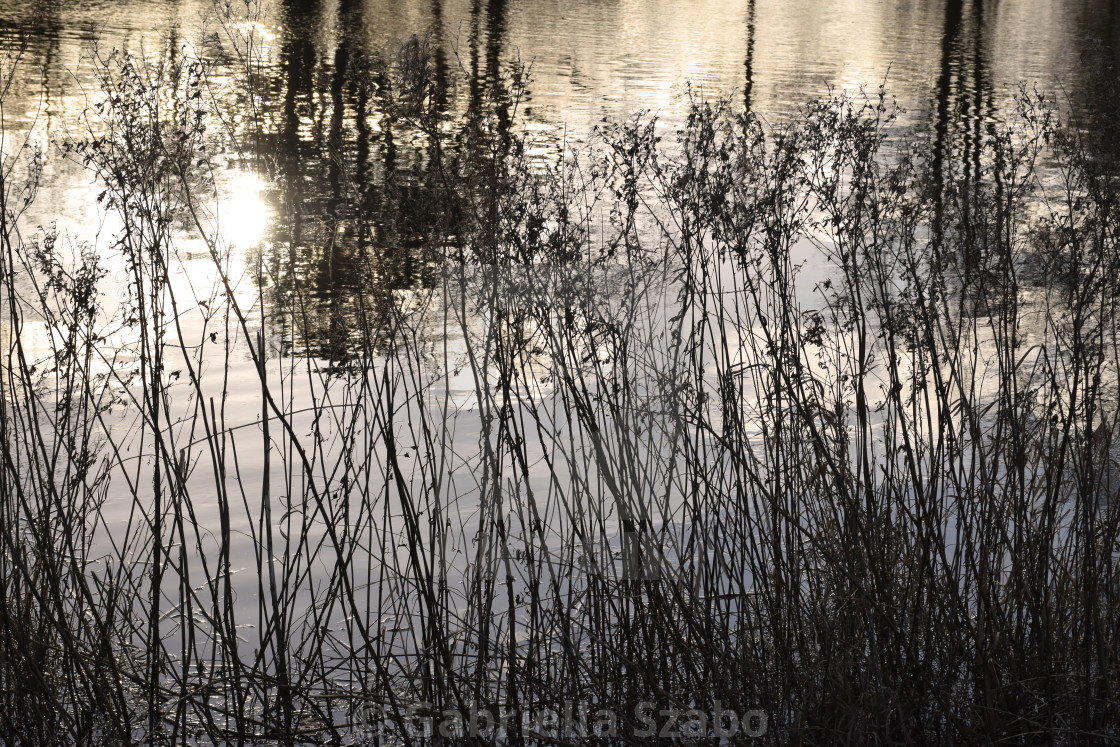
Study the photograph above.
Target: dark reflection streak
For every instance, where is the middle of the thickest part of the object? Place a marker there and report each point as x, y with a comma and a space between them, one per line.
171, 48
353, 21
363, 173
475, 103
47, 26
990, 112
748, 85
1097, 96
297, 59
979, 89
334, 132
334, 268
388, 152
298, 63
969, 122
439, 55
495, 31
953, 12
52, 53
332, 264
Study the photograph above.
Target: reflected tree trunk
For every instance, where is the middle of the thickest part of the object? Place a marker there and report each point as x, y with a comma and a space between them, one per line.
748, 82
942, 148
495, 32
297, 58
962, 122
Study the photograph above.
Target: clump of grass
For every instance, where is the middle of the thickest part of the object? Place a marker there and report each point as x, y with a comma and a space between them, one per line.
794, 419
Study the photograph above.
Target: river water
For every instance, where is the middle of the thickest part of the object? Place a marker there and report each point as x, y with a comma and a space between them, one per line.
954, 64
956, 67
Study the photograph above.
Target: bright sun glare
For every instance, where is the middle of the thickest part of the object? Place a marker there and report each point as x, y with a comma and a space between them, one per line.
242, 213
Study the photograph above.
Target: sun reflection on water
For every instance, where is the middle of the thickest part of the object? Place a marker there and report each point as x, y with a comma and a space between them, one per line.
243, 214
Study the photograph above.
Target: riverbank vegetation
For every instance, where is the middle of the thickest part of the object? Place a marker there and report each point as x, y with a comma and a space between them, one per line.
812, 418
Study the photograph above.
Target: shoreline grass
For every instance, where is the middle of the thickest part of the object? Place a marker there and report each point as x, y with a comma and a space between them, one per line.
805, 420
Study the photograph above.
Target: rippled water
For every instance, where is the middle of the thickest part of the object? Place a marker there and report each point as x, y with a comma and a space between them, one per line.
953, 62
955, 65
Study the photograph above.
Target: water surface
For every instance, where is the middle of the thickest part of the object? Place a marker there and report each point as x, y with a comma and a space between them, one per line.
954, 64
